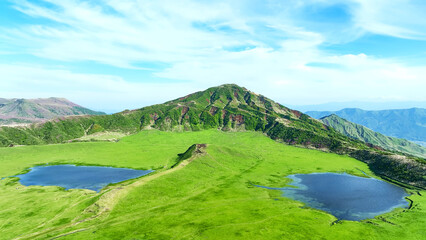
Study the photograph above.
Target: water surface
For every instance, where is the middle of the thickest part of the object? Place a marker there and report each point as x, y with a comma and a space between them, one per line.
345, 196
82, 177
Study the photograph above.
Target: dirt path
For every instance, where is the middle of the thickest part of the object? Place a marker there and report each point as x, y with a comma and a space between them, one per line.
106, 202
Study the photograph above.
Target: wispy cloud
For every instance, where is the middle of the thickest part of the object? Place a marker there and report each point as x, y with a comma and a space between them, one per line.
209, 43
123, 32
398, 18
104, 92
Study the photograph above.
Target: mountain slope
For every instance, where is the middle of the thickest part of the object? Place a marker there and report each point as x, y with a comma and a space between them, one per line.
409, 124
364, 134
37, 110
227, 108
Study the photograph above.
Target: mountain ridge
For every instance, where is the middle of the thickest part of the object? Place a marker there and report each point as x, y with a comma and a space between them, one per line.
409, 123
367, 135
228, 108
20, 110
365, 105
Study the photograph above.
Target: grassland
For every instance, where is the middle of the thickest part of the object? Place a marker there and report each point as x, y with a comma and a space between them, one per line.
212, 197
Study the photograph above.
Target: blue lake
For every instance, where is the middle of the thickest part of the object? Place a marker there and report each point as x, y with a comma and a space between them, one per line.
82, 177
345, 196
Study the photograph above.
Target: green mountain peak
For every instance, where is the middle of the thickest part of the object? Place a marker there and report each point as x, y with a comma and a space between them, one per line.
227, 108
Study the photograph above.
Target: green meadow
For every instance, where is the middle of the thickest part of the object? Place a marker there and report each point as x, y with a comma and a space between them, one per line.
210, 196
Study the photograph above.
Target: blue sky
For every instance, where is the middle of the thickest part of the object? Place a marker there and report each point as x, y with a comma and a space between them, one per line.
120, 54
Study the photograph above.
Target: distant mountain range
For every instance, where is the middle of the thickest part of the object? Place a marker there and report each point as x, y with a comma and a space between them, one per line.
367, 135
21, 111
409, 124
373, 106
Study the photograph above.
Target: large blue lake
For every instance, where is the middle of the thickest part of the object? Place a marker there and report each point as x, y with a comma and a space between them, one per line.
82, 177
345, 196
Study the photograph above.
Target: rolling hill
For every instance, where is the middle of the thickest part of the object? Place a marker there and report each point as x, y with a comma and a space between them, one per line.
227, 108
15, 111
367, 135
409, 124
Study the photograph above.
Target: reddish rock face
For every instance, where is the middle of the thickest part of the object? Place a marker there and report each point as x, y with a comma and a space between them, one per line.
235, 94
296, 113
154, 116
213, 110
239, 119
187, 96
375, 147
184, 110
223, 114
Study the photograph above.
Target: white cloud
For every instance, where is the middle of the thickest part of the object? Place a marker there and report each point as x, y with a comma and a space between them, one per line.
192, 37
284, 76
139, 31
397, 18
102, 92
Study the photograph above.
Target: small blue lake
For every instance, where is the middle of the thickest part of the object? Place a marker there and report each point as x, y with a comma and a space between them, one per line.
345, 196
81, 177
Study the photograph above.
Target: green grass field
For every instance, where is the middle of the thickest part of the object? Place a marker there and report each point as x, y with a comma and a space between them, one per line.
212, 197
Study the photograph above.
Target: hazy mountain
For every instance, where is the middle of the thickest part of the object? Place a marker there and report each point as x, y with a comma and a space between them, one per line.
227, 108
409, 124
367, 135
335, 106
13, 111
3, 100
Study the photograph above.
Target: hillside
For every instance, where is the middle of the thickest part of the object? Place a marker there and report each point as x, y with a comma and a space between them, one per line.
227, 108
13, 111
409, 124
367, 135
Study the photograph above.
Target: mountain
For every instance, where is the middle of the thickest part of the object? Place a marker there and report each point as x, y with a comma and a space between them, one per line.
409, 124
227, 108
367, 135
3, 100
13, 111
375, 106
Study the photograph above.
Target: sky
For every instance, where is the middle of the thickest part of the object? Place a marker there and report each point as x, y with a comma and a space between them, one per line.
113, 55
